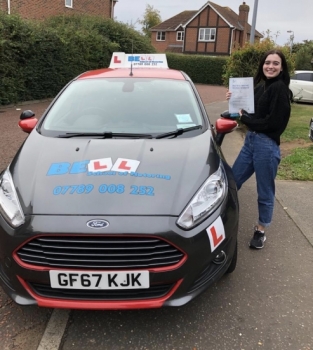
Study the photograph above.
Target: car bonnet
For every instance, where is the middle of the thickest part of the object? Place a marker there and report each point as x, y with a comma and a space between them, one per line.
83, 176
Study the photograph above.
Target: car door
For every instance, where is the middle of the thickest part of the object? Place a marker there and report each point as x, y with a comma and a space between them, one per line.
301, 85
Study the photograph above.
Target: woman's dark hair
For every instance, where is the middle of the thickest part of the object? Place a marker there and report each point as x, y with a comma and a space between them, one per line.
284, 74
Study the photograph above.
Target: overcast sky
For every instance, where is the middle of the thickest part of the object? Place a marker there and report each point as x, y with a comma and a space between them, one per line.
278, 16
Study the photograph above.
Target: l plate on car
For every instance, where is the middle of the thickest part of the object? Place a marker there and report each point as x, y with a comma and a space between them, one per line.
99, 280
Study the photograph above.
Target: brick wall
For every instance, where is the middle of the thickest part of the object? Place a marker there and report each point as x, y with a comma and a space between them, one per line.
40, 9
170, 40
191, 39
4, 6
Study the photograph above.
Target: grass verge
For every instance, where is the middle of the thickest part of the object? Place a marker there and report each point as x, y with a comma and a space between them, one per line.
297, 166
298, 163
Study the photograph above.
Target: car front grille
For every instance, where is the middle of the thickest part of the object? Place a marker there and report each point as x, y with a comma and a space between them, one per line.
154, 291
99, 252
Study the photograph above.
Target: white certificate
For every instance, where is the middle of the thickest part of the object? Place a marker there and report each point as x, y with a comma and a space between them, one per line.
242, 95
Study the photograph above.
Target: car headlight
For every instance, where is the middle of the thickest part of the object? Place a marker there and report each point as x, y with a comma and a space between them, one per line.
206, 200
10, 207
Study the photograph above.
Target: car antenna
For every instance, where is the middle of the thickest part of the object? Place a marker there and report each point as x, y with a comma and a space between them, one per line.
131, 64
131, 69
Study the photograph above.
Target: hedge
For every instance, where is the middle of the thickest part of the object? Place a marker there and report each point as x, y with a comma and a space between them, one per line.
202, 69
38, 58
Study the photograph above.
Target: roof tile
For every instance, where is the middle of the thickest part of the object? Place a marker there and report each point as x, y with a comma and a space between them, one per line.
174, 22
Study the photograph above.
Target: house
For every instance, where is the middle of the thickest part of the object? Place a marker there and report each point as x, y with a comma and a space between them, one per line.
213, 30
40, 9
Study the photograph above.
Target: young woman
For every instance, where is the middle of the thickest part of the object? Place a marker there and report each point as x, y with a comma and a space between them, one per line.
260, 153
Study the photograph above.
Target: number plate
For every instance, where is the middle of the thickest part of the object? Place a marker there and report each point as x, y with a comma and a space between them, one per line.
99, 280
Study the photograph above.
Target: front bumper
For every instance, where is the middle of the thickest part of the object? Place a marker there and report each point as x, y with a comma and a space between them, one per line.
172, 285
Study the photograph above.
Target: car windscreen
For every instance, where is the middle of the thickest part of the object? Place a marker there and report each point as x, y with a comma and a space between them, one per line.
123, 105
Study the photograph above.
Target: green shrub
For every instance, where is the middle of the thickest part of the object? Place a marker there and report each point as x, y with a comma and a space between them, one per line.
201, 69
38, 58
304, 57
14, 37
245, 61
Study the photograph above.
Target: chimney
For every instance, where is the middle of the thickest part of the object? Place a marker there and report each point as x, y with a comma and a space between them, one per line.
243, 13
243, 20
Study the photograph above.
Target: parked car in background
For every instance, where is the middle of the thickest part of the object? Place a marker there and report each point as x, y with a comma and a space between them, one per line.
120, 197
301, 85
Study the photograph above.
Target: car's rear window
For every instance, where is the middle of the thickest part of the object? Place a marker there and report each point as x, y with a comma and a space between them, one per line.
124, 105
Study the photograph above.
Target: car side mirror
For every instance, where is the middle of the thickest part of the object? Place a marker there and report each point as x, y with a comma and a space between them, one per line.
224, 126
27, 121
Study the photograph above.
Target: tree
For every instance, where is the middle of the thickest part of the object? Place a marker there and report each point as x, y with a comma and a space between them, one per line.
150, 19
268, 34
304, 54
244, 62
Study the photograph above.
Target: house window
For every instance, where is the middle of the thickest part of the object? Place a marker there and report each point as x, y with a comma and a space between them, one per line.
207, 34
180, 36
69, 3
160, 36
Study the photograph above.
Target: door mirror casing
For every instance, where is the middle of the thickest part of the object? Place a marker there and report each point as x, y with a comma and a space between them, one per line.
224, 126
27, 125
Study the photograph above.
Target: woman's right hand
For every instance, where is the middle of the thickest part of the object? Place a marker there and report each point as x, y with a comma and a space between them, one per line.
228, 95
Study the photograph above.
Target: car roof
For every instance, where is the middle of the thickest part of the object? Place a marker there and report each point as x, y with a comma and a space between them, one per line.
303, 71
161, 73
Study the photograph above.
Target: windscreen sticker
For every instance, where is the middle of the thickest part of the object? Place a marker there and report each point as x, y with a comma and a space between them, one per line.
103, 167
184, 126
183, 118
104, 188
216, 233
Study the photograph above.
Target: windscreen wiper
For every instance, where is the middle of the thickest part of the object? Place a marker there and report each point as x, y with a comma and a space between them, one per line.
178, 132
106, 135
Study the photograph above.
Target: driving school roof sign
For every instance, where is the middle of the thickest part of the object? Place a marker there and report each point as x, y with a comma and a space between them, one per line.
123, 60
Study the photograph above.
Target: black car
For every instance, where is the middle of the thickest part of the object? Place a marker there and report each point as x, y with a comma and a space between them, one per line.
120, 197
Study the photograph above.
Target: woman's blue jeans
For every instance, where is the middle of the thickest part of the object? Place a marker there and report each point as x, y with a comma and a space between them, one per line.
260, 155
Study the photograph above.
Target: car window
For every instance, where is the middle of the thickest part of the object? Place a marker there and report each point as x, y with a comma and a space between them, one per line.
303, 76
124, 105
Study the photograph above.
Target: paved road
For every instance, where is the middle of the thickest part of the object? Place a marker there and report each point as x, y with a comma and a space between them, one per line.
265, 304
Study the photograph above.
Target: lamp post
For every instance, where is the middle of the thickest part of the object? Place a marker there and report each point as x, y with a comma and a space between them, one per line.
255, 11
292, 36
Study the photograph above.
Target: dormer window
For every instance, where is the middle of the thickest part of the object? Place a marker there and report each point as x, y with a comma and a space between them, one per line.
180, 36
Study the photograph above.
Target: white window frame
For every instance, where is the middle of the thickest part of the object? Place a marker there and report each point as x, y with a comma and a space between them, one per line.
69, 3
180, 36
160, 35
207, 34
